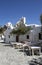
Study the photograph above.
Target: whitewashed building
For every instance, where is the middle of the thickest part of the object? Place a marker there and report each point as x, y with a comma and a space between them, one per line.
33, 35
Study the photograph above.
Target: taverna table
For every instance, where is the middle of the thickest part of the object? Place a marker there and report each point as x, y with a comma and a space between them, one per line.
35, 48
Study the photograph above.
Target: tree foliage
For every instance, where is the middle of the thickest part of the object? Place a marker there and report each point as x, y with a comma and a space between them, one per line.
1, 30
21, 30
41, 18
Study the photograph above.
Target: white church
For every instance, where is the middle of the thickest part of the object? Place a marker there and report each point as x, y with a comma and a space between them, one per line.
32, 36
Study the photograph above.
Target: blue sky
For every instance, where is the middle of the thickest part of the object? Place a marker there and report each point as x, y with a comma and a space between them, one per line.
12, 10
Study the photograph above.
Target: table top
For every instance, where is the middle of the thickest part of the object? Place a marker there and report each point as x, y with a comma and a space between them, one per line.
19, 44
35, 47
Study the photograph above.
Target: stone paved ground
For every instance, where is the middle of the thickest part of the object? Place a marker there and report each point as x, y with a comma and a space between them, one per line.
11, 56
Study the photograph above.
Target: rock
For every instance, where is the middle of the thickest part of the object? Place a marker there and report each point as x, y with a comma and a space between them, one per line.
32, 63
35, 61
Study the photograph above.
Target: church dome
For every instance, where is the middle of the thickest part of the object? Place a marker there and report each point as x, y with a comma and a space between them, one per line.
9, 25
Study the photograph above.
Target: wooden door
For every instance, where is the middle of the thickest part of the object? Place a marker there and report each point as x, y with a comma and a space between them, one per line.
17, 38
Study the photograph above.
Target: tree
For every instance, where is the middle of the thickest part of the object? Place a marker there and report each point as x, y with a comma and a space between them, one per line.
2, 29
21, 30
41, 18
41, 21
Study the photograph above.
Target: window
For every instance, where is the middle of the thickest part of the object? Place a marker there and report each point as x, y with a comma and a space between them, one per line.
27, 36
4, 39
9, 36
40, 36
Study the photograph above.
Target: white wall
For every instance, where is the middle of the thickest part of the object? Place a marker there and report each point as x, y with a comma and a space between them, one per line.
33, 35
24, 37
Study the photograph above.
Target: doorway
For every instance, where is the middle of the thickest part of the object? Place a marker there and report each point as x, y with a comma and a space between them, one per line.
17, 38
